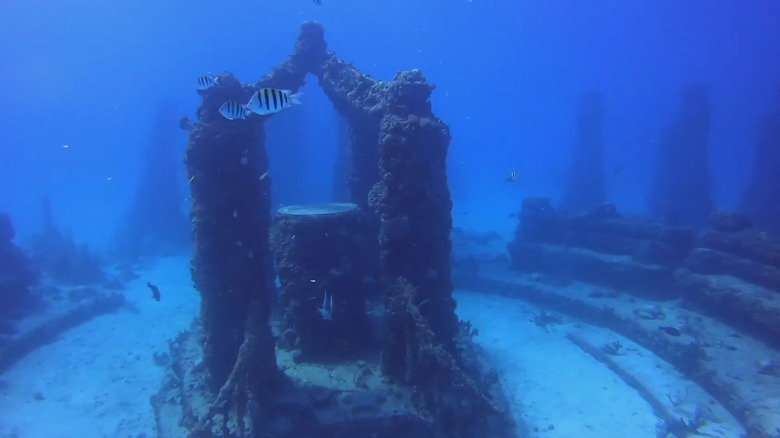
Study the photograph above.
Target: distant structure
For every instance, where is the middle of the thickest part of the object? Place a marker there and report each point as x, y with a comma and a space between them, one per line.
760, 201
154, 223
585, 185
58, 256
17, 275
433, 386
682, 189
720, 275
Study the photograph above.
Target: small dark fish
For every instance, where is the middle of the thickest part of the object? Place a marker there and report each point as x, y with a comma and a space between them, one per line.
184, 123
512, 177
318, 2
671, 331
155, 291
618, 170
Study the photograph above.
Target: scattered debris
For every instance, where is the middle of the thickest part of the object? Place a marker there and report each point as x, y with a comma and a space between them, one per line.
671, 331
604, 293
543, 319
613, 348
767, 367
467, 329
650, 312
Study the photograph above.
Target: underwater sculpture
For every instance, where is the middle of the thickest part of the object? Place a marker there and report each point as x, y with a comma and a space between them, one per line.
393, 133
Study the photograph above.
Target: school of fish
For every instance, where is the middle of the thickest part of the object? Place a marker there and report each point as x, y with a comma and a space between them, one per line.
264, 102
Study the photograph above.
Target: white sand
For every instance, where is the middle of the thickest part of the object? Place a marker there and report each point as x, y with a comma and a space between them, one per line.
552, 381
96, 380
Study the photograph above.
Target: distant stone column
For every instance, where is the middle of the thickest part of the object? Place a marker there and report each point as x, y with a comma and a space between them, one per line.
763, 192
155, 224
682, 190
585, 185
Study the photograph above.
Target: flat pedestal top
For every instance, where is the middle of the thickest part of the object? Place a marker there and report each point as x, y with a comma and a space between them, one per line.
317, 209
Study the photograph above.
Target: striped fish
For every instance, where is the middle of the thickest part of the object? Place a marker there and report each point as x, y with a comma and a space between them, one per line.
232, 110
270, 101
512, 177
205, 82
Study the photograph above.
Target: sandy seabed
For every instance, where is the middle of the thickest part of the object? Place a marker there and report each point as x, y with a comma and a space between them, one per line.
96, 380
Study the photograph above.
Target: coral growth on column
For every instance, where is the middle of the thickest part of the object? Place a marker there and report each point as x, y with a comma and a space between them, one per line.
230, 215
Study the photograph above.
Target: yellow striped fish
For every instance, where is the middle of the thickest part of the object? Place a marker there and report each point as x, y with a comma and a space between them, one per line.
512, 177
270, 100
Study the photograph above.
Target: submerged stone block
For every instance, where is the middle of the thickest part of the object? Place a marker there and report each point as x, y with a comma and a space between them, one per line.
714, 262
755, 246
600, 246
730, 221
618, 272
741, 304
320, 254
604, 229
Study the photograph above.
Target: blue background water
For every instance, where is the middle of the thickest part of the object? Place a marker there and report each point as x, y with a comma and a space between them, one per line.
90, 74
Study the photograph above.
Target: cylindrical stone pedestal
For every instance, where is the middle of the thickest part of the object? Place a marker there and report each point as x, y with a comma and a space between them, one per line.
320, 255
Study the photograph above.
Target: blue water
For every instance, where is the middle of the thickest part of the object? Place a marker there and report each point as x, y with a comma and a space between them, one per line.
89, 74
82, 81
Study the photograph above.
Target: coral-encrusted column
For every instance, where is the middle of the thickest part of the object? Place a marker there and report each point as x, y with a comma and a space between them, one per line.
230, 215
413, 202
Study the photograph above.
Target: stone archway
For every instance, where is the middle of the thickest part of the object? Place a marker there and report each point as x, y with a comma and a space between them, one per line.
397, 170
